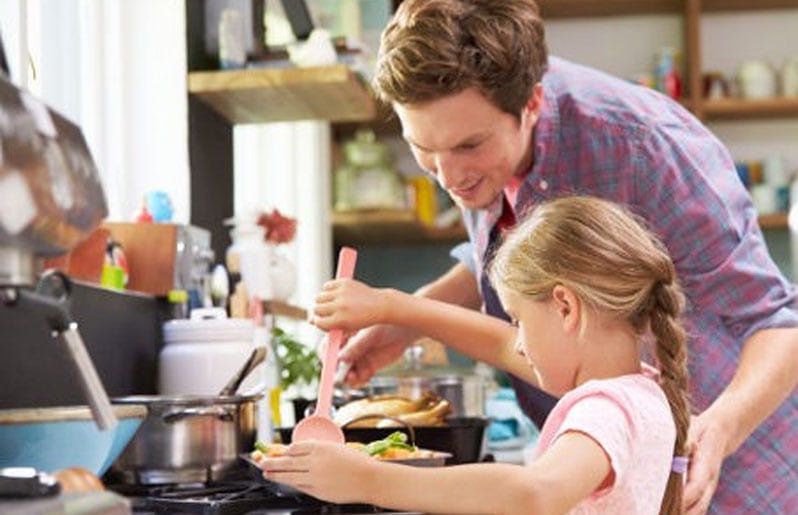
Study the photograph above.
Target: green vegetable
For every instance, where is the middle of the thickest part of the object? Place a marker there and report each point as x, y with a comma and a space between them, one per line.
262, 447
395, 440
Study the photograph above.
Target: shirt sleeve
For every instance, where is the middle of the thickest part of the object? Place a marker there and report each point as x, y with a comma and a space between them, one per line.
464, 253
608, 423
688, 188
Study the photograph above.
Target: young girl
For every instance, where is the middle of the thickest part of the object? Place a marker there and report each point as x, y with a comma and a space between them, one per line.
588, 288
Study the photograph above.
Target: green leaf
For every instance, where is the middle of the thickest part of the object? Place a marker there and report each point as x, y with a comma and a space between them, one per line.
395, 440
298, 364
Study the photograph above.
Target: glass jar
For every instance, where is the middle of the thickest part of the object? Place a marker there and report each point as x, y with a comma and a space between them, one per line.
367, 179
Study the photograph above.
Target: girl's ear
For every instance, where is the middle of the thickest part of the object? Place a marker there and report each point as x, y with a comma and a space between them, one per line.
568, 307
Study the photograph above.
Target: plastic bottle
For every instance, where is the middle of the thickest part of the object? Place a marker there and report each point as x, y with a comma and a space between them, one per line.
232, 51
252, 257
178, 302
666, 73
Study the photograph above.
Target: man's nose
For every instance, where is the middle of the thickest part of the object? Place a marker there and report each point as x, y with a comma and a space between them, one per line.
445, 170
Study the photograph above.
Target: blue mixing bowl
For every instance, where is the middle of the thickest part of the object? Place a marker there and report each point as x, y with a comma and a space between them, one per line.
51, 439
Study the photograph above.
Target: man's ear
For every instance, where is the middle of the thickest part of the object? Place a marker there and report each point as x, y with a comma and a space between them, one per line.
568, 307
534, 104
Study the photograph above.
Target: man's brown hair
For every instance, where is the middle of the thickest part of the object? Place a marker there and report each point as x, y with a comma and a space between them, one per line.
435, 48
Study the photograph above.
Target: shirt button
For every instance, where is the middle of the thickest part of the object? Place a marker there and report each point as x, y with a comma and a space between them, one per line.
544, 185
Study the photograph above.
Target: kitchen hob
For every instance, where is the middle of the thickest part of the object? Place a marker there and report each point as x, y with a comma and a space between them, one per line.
233, 497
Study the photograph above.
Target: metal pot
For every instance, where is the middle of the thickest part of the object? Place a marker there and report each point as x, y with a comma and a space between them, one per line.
188, 438
465, 393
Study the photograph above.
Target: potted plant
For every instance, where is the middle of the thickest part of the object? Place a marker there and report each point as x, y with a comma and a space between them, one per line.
299, 369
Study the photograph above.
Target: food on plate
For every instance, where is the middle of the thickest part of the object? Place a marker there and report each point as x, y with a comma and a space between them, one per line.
77, 479
271, 450
393, 447
429, 410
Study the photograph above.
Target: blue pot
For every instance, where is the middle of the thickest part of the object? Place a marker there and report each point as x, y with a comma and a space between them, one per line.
51, 439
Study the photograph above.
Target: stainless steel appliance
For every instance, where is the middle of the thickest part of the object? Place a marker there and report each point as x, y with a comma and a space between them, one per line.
52, 200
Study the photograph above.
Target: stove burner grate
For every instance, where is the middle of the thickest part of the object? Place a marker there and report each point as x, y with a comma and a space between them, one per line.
230, 498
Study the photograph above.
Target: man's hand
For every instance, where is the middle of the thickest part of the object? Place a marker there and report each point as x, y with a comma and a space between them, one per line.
373, 349
707, 439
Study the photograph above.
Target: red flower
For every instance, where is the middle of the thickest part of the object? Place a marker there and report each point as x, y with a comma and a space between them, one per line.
278, 228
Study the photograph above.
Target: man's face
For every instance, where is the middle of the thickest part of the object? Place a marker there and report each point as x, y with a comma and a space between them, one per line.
469, 145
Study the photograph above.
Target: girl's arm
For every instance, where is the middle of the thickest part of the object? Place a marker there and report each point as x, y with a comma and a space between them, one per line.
573, 468
351, 305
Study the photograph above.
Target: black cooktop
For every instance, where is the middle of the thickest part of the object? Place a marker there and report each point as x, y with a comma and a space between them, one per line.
235, 497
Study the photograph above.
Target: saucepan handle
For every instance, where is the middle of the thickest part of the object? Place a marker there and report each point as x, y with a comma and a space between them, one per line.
178, 415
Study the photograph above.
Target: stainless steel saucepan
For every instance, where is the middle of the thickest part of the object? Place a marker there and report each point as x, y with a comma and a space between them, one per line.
188, 438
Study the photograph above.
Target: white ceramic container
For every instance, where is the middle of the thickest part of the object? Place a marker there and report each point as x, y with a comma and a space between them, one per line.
202, 353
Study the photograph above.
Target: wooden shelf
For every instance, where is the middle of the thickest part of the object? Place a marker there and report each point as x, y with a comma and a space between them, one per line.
590, 8
584, 8
397, 227
746, 5
773, 221
733, 108
333, 93
279, 308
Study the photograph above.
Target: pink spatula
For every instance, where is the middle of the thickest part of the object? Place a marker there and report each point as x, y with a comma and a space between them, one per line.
319, 426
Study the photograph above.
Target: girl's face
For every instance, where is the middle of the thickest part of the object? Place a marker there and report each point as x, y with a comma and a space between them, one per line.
471, 146
546, 330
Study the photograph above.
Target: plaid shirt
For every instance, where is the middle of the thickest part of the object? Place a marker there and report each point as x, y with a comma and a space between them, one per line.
598, 135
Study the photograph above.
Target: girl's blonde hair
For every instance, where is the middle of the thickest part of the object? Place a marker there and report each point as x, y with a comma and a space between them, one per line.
614, 265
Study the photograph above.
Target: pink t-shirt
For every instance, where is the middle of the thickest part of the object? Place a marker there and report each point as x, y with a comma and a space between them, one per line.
629, 417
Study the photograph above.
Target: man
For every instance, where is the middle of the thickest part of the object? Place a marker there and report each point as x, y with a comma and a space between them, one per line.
501, 127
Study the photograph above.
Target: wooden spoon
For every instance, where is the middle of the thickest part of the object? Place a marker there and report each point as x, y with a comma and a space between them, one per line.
319, 426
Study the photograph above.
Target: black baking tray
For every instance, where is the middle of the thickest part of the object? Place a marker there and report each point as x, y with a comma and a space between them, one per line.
462, 437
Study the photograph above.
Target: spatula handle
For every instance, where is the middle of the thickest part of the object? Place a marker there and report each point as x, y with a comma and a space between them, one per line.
347, 258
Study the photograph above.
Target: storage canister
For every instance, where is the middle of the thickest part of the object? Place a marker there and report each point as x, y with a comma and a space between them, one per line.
202, 353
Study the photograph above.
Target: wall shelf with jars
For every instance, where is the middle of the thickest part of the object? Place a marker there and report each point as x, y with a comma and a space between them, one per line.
778, 101
392, 227
691, 12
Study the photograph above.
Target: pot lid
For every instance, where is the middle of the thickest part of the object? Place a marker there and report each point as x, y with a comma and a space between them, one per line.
208, 325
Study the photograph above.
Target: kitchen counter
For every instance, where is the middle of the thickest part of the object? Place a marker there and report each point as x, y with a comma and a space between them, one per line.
91, 503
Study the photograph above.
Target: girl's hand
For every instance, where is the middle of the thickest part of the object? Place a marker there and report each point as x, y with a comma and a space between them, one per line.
348, 305
328, 471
